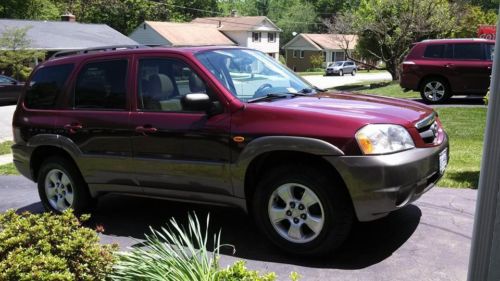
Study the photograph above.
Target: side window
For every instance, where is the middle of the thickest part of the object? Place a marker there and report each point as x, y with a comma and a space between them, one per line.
102, 85
472, 51
435, 51
163, 82
4, 80
46, 85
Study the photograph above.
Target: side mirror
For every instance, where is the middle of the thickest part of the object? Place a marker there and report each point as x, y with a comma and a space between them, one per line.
196, 102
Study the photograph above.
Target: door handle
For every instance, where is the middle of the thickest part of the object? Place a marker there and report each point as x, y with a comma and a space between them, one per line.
489, 67
145, 129
449, 65
72, 128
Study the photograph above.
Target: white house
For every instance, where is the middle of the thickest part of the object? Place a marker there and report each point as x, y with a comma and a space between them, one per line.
257, 32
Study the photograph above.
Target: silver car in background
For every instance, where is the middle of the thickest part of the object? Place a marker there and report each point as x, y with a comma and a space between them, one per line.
340, 68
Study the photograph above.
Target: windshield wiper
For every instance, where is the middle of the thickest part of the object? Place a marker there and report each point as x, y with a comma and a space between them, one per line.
272, 96
269, 96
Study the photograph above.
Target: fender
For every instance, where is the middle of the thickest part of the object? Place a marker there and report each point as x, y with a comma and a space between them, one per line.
275, 143
55, 140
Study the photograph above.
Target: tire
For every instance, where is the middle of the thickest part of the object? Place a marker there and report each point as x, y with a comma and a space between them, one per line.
353, 73
333, 213
341, 73
435, 91
69, 190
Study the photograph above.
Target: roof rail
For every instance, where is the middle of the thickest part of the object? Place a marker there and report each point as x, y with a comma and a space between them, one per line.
97, 49
455, 39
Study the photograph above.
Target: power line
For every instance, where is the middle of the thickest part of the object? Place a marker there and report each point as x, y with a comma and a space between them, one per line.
224, 14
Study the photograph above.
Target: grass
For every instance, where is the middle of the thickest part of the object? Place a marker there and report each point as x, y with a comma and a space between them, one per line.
391, 90
5, 147
465, 128
8, 169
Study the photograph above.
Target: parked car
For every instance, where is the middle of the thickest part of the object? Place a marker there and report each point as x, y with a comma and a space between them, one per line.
441, 68
225, 126
340, 68
10, 89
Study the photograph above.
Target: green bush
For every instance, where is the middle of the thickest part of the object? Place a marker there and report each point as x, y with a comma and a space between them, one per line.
487, 98
51, 247
315, 70
177, 254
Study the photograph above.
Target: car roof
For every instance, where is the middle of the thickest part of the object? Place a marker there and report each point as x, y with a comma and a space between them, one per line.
73, 58
455, 40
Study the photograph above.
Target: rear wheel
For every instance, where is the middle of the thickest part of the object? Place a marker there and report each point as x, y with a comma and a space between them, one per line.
435, 90
353, 72
61, 186
302, 210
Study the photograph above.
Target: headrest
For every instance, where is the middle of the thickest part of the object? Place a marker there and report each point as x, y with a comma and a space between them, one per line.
196, 85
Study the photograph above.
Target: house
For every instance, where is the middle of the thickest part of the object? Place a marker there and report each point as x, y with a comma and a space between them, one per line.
53, 36
154, 33
256, 32
332, 47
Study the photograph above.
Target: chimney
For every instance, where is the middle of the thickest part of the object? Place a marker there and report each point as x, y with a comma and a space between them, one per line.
234, 13
69, 17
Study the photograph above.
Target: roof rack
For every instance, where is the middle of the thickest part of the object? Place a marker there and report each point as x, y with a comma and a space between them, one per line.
97, 49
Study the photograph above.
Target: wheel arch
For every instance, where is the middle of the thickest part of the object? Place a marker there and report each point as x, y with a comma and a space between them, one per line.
266, 152
434, 76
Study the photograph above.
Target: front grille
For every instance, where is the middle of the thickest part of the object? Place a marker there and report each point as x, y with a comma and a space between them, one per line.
428, 128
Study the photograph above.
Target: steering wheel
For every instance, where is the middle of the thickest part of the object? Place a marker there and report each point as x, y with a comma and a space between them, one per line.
260, 90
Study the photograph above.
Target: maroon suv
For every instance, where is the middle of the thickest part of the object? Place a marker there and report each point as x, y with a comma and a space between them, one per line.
226, 126
441, 68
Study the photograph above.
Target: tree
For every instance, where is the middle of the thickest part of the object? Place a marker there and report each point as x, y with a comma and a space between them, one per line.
389, 27
468, 19
15, 53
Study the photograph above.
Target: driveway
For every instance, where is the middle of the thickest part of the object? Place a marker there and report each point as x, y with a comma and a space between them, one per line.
428, 240
326, 82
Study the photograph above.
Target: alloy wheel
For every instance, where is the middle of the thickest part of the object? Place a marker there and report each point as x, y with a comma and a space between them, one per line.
59, 190
434, 91
296, 213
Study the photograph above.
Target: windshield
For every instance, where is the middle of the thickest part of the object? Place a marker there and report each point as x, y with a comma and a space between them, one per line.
249, 74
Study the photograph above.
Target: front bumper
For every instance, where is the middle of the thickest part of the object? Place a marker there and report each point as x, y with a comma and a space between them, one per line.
383, 183
332, 71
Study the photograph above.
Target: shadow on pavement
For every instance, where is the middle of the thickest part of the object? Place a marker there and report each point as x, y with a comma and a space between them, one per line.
368, 244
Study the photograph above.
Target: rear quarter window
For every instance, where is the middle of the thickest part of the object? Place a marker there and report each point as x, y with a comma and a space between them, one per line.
46, 85
468, 51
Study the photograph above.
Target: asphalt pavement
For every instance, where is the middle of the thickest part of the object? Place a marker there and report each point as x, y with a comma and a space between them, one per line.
428, 240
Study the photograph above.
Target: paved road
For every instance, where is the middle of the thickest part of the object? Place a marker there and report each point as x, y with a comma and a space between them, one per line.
327, 82
428, 240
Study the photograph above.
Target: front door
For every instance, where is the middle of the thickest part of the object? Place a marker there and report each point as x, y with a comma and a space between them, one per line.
176, 149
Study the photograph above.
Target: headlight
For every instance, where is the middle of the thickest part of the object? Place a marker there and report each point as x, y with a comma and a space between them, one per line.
383, 138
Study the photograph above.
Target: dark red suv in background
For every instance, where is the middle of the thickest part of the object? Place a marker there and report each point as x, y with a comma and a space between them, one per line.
226, 126
441, 68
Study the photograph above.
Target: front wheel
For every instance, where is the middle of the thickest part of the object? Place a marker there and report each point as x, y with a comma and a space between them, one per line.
341, 73
434, 91
302, 210
61, 186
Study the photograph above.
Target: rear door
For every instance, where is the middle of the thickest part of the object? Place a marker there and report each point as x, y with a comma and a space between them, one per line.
470, 68
175, 149
96, 118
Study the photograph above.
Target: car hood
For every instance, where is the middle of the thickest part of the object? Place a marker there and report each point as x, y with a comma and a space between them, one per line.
367, 109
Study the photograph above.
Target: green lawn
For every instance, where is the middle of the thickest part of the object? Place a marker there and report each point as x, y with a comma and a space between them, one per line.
382, 89
465, 128
5, 147
8, 169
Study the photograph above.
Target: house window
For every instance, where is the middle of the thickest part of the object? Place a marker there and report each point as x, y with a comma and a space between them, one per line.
301, 54
256, 36
271, 37
295, 53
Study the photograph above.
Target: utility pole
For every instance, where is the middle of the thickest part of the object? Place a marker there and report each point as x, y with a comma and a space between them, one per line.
484, 262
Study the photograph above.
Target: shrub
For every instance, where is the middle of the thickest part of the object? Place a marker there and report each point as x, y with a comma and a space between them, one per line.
176, 254
317, 60
51, 247
486, 98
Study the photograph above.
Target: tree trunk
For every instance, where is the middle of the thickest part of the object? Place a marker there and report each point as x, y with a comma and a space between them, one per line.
393, 69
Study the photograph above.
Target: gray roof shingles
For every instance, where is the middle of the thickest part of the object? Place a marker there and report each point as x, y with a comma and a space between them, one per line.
60, 35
